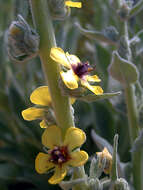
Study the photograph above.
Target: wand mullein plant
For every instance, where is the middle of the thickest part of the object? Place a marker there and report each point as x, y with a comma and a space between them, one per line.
61, 139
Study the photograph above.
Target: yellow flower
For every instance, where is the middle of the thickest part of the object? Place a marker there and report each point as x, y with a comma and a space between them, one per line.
77, 71
41, 97
107, 155
73, 4
61, 153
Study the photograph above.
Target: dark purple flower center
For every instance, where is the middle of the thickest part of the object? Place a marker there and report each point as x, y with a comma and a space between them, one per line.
81, 69
59, 155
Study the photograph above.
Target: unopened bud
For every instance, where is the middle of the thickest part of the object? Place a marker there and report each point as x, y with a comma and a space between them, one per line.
59, 10
105, 155
95, 184
123, 12
121, 184
23, 41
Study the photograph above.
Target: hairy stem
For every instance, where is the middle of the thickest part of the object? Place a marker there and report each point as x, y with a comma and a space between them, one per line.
133, 120
61, 105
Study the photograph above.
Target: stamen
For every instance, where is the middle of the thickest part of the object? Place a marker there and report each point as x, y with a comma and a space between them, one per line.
81, 69
57, 152
59, 155
60, 160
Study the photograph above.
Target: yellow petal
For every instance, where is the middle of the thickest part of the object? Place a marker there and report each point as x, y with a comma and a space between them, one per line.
69, 79
52, 137
95, 89
43, 124
73, 59
108, 156
58, 55
33, 113
93, 78
78, 158
59, 174
73, 4
42, 163
74, 138
41, 96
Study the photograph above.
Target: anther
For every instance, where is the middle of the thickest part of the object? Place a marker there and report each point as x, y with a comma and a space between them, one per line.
60, 160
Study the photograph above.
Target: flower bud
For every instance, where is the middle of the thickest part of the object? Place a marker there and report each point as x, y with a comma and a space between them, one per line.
123, 12
121, 184
59, 10
23, 41
95, 184
105, 155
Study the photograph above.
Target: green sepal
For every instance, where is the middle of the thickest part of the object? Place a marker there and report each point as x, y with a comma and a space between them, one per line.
109, 35
95, 184
93, 97
67, 185
96, 168
122, 70
81, 93
114, 171
121, 184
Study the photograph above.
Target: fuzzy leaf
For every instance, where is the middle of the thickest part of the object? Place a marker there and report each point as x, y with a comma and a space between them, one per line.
108, 35
8, 171
101, 142
122, 70
3, 101
93, 97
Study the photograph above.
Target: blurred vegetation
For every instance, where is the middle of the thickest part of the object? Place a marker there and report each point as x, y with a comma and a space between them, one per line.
20, 141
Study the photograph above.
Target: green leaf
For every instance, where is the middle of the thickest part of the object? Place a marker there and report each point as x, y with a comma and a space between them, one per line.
136, 9
8, 171
101, 142
122, 70
4, 102
11, 154
93, 97
108, 35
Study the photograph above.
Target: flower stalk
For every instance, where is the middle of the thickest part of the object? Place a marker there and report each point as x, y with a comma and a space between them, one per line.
61, 104
51, 69
132, 118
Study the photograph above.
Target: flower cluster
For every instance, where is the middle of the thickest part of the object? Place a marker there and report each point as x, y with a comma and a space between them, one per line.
62, 153
62, 150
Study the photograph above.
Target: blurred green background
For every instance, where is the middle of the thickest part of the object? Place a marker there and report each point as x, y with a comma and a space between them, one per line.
20, 141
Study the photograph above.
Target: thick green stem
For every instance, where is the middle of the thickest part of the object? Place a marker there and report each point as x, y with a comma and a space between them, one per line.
133, 121
133, 129
51, 69
132, 111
